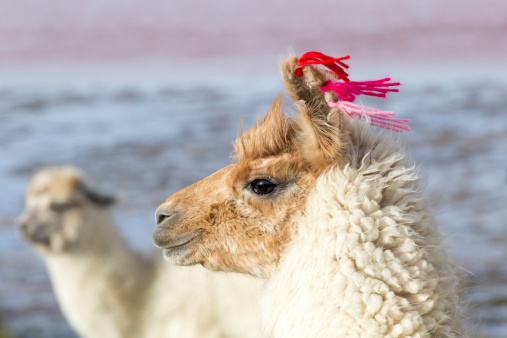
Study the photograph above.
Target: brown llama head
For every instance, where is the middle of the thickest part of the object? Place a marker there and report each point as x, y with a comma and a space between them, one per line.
240, 218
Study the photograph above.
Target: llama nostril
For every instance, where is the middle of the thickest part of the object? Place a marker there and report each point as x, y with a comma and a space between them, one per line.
23, 222
23, 227
162, 214
161, 218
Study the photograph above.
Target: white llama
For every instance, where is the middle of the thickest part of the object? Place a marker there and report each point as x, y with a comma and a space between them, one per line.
105, 289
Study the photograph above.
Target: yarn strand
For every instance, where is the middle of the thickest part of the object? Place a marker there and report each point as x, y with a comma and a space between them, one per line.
349, 91
334, 64
379, 118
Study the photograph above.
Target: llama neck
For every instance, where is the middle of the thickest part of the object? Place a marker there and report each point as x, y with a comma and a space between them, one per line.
366, 258
101, 277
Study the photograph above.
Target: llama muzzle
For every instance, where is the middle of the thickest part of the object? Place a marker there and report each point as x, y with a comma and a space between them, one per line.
32, 231
164, 234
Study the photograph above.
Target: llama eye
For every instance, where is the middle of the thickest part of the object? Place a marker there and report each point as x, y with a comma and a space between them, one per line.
262, 187
61, 206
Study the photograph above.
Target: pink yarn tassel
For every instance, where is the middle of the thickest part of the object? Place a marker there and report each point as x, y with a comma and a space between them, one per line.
379, 118
348, 91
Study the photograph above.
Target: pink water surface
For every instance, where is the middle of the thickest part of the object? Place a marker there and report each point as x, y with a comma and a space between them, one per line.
430, 34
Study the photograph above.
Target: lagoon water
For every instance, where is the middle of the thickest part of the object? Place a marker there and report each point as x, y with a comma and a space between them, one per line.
148, 137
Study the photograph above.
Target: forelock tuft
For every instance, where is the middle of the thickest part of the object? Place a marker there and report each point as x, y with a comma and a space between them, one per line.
271, 136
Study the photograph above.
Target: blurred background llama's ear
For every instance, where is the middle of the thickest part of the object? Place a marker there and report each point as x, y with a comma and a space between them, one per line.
99, 198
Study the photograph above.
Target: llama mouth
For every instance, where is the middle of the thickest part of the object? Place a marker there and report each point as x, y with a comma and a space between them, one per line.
179, 245
35, 234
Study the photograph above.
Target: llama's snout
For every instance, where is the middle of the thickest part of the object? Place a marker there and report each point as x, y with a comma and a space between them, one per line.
26, 223
32, 230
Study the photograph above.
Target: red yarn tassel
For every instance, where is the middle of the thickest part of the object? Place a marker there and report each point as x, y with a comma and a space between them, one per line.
334, 64
349, 91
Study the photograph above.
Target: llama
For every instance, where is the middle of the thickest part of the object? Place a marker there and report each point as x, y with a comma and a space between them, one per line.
331, 213
105, 289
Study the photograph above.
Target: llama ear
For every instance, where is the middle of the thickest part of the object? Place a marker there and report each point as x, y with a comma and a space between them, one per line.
98, 198
324, 137
306, 87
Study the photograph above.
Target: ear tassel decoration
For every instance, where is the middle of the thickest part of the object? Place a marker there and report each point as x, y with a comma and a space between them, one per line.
378, 118
334, 64
348, 90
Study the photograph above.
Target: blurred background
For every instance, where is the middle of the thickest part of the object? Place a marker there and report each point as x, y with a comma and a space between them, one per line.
146, 97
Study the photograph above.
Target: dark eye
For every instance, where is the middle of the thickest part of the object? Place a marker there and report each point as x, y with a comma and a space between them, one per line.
62, 206
262, 187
